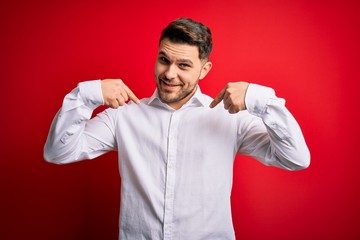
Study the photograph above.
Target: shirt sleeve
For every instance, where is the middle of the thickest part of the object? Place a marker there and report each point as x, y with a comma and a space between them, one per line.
270, 133
73, 136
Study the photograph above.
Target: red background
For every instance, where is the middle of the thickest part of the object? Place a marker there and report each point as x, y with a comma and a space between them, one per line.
307, 50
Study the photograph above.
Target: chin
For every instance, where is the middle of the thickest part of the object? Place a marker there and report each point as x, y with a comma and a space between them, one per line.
166, 98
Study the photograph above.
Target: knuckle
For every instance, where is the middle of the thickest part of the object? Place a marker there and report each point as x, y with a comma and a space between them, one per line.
229, 91
118, 82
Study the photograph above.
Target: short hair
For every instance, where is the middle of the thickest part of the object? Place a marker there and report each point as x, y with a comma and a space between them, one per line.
186, 30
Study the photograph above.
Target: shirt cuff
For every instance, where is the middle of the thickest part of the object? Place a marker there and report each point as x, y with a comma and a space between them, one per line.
91, 93
257, 98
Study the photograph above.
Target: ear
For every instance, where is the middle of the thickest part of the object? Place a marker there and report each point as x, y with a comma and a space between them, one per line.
205, 70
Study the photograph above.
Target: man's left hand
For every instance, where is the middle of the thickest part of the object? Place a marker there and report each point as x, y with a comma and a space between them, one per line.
233, 95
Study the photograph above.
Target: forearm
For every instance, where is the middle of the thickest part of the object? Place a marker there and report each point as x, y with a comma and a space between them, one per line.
67, 140
280, 140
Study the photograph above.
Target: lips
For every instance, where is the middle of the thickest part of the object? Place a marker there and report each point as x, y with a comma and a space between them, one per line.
170, 84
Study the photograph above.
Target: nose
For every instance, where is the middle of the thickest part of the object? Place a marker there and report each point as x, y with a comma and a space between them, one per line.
171, 71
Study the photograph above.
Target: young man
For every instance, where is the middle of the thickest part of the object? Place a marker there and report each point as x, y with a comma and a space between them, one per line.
176, 149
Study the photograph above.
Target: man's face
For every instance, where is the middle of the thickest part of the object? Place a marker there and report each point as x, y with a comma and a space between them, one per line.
178, 69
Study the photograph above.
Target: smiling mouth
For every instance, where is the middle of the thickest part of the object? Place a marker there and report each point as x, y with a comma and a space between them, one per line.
169, 84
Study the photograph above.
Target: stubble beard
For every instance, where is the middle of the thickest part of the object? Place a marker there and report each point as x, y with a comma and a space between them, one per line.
170, 97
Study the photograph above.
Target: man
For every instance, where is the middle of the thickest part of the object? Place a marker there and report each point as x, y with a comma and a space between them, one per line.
176, 149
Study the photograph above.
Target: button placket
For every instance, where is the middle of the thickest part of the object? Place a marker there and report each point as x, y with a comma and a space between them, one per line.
170, 175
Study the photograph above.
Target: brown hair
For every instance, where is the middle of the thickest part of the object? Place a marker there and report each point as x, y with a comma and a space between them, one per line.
186, 30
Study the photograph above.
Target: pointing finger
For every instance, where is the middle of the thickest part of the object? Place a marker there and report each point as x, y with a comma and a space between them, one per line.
218, 99
132, 95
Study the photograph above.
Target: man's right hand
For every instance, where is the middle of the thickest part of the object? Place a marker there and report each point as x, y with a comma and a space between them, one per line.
116, 93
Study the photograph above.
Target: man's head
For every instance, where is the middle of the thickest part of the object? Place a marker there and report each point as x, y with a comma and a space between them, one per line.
184, 50
187, 31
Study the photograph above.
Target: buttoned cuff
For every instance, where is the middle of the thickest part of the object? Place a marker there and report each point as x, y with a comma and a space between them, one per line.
257, 98
91, 93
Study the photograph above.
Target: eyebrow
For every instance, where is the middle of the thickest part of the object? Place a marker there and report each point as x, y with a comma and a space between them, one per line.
181, 60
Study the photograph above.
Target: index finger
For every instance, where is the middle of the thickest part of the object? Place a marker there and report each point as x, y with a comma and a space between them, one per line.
218, 99
131, 95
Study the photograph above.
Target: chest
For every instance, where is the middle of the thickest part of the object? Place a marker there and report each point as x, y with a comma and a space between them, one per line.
190, 129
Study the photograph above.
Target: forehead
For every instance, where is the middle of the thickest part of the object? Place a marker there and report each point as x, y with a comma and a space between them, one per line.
178, 50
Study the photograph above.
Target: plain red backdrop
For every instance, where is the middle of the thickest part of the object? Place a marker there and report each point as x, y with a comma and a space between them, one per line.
308, 51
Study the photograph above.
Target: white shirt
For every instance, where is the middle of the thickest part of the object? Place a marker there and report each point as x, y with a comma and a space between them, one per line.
176, 165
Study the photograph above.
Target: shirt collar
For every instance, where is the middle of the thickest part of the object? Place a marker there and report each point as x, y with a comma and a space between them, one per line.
197, 100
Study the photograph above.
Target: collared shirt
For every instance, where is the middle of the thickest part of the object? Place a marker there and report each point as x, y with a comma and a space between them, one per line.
176, 166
